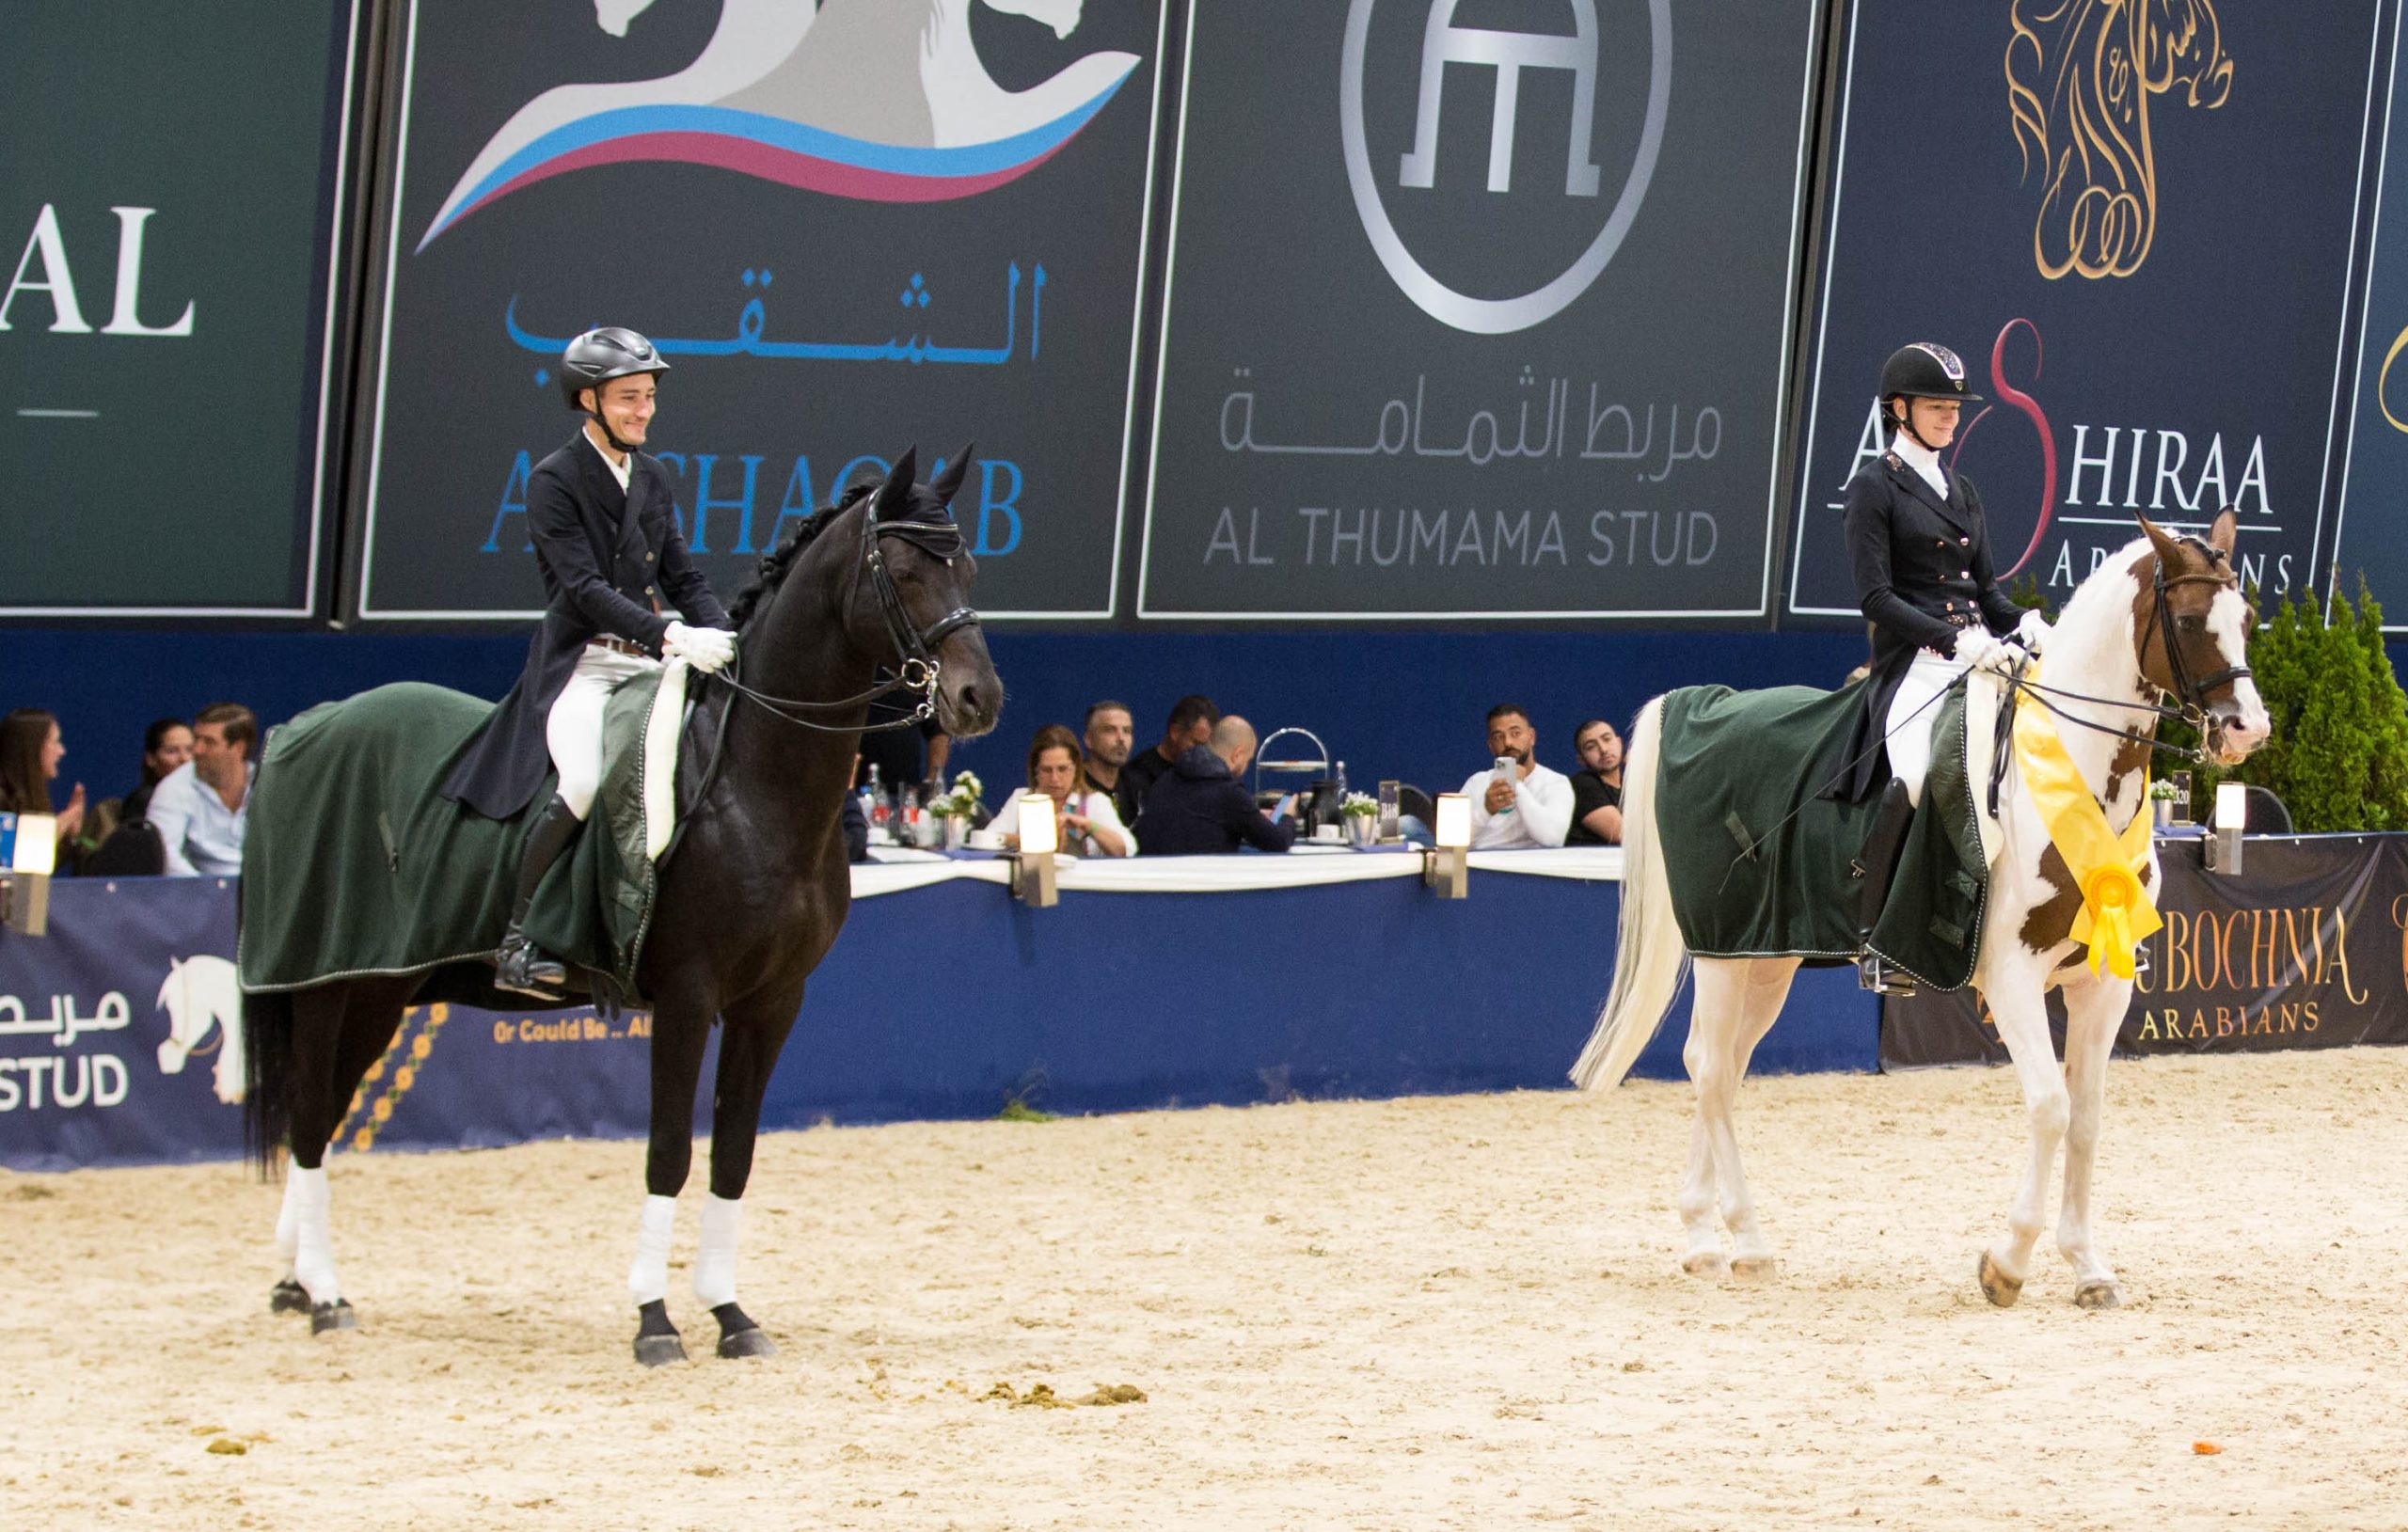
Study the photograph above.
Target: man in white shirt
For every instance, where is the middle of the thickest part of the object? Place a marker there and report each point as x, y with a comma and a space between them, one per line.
1532, 806
201, 808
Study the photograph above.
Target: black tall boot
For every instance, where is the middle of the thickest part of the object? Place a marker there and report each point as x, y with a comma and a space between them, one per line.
519, 966
1875, 865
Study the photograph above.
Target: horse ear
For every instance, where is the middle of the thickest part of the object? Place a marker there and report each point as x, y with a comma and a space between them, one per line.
2226, 531
896, 491
2168, 549
946, 484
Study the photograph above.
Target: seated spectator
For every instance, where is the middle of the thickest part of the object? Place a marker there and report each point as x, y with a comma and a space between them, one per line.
1200, 806
1192, 719
201, 808
1532, 807
856, 828
30, 750
1110, 737
165, 745
1086, 822
1597, 787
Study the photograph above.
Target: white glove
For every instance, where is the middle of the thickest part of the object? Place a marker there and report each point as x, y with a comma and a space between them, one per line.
2031, 631
706, 649
1985, 651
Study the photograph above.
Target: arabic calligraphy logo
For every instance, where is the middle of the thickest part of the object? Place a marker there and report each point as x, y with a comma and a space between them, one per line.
2079, 77
1508, 54
882, 101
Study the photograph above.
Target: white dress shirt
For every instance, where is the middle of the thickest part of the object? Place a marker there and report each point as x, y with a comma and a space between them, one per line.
1922, 460
202, 836
1541, 816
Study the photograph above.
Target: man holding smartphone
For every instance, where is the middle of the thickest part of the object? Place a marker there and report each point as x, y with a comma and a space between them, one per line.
1516, 801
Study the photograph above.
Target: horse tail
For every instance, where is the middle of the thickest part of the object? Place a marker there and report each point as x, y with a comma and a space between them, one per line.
267, 1072
1650, 959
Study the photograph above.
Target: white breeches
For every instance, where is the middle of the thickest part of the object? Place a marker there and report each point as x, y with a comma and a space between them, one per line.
1907, 730
573, 729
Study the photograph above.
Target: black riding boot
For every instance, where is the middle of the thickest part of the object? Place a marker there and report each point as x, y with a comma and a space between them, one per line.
1875, 865
519, 966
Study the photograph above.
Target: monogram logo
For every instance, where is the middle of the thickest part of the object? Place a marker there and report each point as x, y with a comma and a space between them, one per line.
1508, 54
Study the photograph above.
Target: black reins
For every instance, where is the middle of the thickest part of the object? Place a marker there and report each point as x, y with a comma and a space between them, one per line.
919, 669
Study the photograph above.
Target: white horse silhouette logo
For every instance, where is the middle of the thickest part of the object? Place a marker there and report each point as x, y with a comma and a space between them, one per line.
201, 991
880, 101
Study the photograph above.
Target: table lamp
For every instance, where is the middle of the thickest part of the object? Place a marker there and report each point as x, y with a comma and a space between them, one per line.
28, 855
1033, 867
2233, 814
1448, 867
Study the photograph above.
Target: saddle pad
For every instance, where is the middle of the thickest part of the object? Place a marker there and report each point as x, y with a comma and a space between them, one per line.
1762, 865
354, 863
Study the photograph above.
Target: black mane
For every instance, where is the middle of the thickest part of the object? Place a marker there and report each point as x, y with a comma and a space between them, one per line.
775, 563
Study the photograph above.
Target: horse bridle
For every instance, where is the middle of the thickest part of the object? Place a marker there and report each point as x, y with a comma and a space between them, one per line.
915, 647
2191, 691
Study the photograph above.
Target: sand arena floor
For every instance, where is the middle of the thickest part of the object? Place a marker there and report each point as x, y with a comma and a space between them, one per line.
1426, 1312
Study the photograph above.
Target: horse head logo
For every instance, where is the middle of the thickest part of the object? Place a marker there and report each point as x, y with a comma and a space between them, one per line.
2079, 77
201, 992
881, 100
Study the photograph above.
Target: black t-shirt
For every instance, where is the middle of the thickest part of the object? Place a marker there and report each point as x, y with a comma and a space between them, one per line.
1589, 792
1145, 768
1125, 801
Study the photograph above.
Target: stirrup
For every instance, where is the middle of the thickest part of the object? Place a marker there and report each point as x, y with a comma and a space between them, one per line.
522, 969
1880, 978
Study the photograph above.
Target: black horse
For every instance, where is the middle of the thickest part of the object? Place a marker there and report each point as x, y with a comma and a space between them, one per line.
750, 898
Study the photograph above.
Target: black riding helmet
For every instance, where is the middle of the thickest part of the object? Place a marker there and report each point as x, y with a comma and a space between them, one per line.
599, 355
1924, 369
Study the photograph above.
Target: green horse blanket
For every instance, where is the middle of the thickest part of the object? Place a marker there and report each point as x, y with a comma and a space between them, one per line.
1761, 864
355, 864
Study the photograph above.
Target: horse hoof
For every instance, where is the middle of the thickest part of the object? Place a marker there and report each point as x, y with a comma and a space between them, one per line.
2098, 1295
753, 1342
1997, 1285
1708, 1264
1756, 1269
660, 1350
288, 1296
334, 1316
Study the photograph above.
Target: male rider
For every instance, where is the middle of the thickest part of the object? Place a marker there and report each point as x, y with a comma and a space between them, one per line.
605, 528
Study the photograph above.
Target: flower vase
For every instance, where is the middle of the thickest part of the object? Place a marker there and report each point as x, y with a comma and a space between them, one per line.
1362, 830
957, 832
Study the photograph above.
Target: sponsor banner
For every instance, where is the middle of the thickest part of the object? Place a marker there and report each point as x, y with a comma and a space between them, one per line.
2137, 232
171, 210
1478, 310
849, 228
2374, 489
121, 1043
2307, 947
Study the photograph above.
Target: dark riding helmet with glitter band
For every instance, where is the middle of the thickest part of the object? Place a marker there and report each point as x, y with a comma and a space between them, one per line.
1923, 370
599, 355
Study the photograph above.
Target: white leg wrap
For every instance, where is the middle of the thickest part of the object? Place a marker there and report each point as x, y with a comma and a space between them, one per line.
715, 1263
314, 1254
288, 1222
648, 1279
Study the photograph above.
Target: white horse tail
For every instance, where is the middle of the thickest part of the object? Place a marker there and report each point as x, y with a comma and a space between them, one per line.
1650, 960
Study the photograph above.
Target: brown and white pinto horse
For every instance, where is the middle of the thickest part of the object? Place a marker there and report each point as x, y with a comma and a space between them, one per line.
2166, 615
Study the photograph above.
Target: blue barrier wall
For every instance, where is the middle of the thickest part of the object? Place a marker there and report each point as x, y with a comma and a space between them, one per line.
942, 1001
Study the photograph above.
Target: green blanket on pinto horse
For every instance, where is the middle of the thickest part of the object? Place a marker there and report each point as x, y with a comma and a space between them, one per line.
354, 863
1759, 862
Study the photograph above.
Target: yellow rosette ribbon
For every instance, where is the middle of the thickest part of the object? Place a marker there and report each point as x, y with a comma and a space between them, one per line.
2116, 914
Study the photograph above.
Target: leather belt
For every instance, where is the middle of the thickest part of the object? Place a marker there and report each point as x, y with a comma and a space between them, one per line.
619, 646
